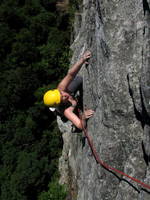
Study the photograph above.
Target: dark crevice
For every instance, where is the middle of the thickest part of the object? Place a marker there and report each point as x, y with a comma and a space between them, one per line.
142, 116
146, 6
138, 114
145, 115
145, 190
146, 157
98, 8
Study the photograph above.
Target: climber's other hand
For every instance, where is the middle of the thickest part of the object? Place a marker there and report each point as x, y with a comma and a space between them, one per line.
86, 56
88, 113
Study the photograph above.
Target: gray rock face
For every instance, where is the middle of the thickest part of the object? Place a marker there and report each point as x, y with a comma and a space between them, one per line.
117, 87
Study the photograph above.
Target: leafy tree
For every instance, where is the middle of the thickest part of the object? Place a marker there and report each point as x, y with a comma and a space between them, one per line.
34, 56
55, 192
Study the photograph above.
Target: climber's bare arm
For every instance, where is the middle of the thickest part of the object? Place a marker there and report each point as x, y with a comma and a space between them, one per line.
73, 71
75, 119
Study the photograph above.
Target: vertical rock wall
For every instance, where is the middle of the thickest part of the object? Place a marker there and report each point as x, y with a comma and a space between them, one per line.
117, 87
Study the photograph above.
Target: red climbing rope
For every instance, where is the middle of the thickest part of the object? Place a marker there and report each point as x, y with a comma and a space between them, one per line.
98, 160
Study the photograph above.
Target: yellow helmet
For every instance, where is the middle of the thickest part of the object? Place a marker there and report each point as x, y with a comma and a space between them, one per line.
52, 97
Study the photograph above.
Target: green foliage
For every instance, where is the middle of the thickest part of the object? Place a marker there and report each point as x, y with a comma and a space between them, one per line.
55, 192
76, 3
34, 56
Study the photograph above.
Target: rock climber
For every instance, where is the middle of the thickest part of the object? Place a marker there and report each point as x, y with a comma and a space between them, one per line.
62, 98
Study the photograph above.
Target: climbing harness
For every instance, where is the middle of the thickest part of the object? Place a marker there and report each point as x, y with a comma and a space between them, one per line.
102, 163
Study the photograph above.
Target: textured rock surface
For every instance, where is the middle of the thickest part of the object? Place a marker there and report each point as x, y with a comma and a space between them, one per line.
117, 87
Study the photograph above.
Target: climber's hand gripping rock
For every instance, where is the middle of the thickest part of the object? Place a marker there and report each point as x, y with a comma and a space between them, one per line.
88, 113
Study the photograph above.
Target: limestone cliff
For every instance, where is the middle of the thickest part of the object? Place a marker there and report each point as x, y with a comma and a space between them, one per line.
117, 87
